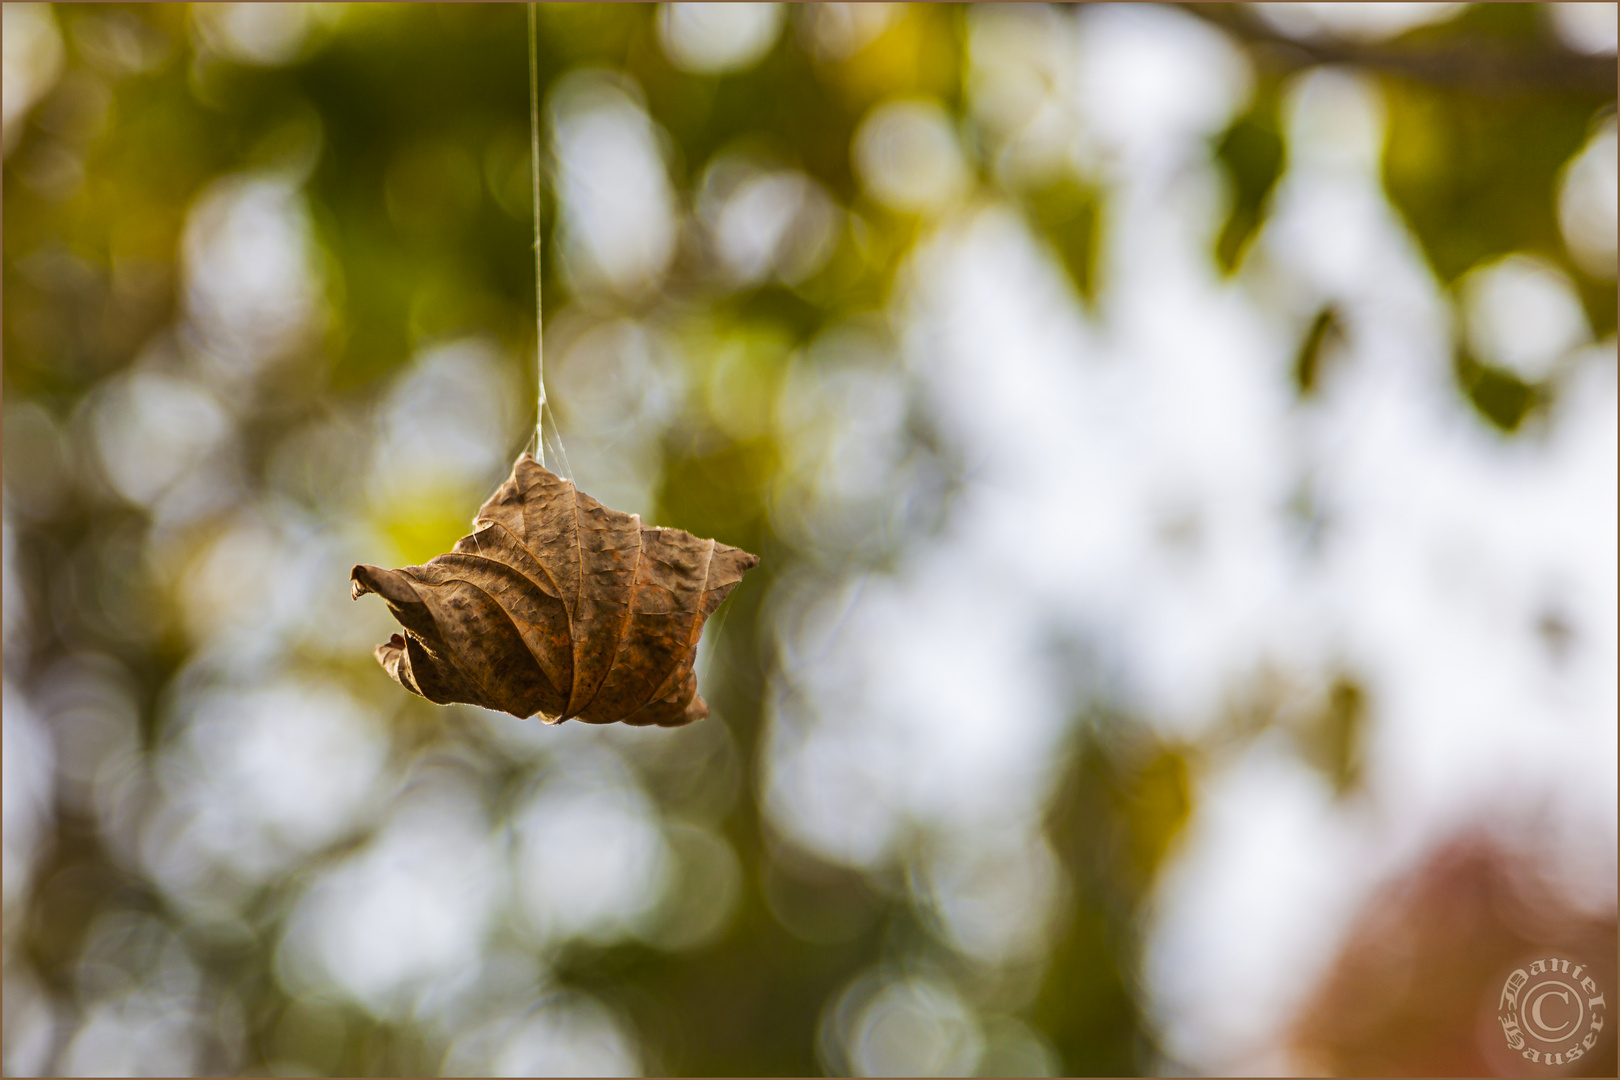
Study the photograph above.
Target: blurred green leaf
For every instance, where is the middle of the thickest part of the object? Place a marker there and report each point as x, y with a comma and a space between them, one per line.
1253, 154
1476, 175
1068, 214
1123, 800
1500, 396
1326, 332
1332, 738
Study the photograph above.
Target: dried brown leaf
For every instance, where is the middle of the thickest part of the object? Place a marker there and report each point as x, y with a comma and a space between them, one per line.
559, 607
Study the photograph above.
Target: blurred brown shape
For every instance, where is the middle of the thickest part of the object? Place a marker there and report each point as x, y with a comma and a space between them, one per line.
1416, 987
557, 606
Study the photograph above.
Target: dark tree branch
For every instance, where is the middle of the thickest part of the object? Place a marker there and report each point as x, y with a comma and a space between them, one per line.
1479, 64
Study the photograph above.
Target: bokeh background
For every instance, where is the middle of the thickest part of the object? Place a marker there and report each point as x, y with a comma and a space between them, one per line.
1181, 442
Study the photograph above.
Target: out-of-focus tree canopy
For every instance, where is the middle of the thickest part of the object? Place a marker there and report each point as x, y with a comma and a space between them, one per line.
1104, 388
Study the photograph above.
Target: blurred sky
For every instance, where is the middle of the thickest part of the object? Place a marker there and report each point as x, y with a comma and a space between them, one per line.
1001, 504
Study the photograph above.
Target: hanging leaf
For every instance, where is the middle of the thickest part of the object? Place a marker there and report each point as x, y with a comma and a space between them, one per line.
559, 607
